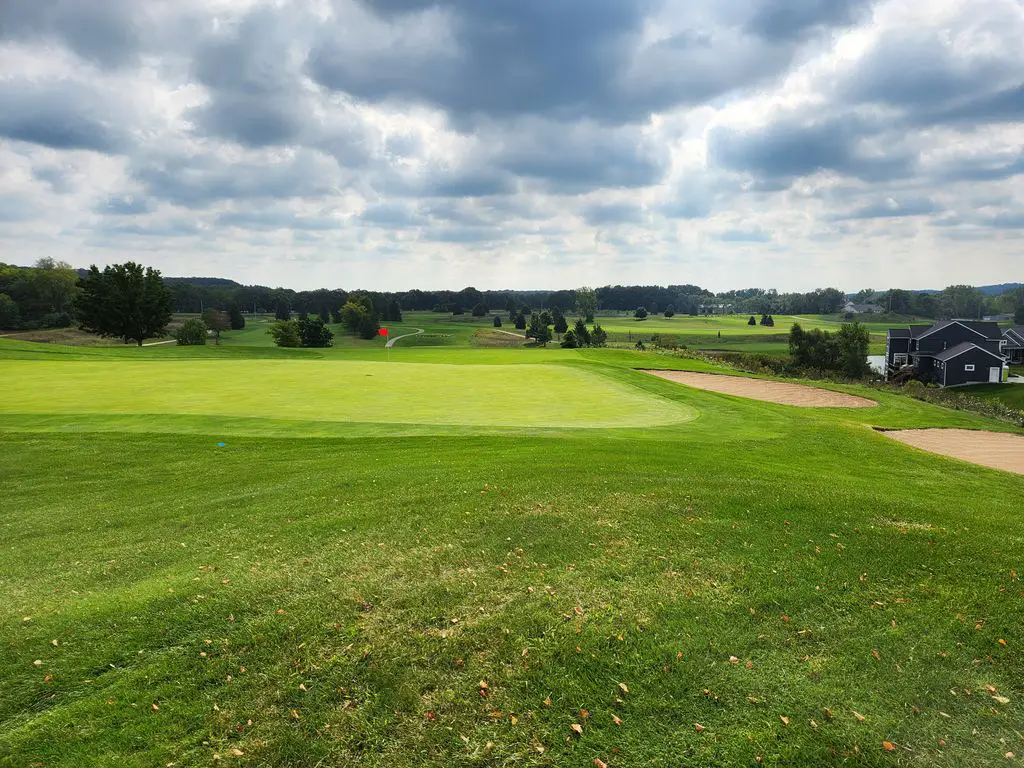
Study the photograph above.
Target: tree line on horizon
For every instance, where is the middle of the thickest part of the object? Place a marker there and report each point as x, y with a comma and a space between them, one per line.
46, 296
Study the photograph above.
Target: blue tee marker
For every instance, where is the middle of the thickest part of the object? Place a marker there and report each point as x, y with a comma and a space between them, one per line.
220, 445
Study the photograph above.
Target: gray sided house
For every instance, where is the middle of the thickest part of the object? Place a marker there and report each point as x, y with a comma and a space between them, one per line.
950, 353
1014, 344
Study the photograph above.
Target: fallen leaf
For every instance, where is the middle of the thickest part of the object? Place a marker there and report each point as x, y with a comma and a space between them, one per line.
295, 714
699, 728
584, 714
302, 686
38, 663
874, 652
991, 688
859, 716
237, 752
155, 706
1002, 642
785, 619
547, 702
616, 720
432, 716
784, 719
733, 660
1001, 699
623, 688
749, 665
577, 729
600, 763
813, 724
53, 642
889, 746
513, 719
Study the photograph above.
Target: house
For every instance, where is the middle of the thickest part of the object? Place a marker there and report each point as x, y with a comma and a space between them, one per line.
861, 309
950, 353
1013, 347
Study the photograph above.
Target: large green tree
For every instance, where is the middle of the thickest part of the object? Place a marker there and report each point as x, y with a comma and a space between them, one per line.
56, 283
217, 322
125, 301
10, 316
586, 303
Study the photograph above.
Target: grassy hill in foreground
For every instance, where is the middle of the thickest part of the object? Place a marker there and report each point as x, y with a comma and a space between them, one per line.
463, 593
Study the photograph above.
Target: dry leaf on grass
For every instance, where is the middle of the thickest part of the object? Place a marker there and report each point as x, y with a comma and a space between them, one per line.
699, 728
859, 716
577, 729
888, 746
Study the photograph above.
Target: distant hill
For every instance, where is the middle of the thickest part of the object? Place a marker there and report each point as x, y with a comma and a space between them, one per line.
206, 282
987, 290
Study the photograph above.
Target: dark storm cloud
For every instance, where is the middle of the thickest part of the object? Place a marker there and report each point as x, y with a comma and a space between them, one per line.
788, 150
107, 32
793, 19
61, 115
569, 59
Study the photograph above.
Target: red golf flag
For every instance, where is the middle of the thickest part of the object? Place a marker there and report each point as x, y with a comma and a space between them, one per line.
383, 332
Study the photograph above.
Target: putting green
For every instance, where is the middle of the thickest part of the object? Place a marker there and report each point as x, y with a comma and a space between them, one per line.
395, 393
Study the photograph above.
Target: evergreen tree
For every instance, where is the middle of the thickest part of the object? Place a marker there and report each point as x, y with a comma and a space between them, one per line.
520, 322
497, 321
598, 336
561, 324
282, 311
1018, 315
10, 315
641, 313
569, 340
546, 318
538, 330
125, 301
479, 310
670, 310
583, 337
751, 321
394, 311
236, 317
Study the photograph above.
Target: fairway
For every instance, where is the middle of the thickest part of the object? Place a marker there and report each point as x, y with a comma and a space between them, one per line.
245, 556
389, 393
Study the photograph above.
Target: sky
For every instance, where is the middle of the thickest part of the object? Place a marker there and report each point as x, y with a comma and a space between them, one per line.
393, 144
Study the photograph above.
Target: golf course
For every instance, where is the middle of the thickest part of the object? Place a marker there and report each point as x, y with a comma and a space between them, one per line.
453, 553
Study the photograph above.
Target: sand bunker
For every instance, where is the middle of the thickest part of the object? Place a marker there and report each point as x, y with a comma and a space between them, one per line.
768, 391
990, 449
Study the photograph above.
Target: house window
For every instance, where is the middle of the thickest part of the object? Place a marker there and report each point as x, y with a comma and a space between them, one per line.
968, 367
899, 359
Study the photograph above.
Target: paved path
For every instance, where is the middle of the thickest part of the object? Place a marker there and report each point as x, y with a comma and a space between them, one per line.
509, 333
157, 343
391, 342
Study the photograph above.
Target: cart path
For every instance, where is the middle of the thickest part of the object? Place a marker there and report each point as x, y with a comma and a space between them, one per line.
509, 333
391, 342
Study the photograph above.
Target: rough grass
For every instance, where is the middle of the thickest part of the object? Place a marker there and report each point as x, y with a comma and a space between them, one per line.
338, 600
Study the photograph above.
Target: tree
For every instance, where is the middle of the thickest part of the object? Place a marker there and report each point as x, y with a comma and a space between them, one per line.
1018, 316
569, 340
479, 310
641, 313
216, 321
853, 341
520, 322
192, 333
538, 330
56, 282
751, 321
768, 321
359, 316
282, 312
286, 333
125, 301
457, 309
598, 336
497, 321
586, 303
583, 337
10, 315
561, 324
394, 311
235, 317
670, 310
313, 332
546, 318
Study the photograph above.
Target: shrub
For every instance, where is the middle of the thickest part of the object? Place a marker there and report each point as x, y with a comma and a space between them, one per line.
598, 336
479, 310
192, 333
497, 321
313, 332
670, 310
569, 340
751, 321
583, 336
56, 320
286, 333
640, 314
10, 315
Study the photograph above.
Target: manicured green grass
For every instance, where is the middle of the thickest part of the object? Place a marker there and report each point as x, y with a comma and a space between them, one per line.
330, 587
1011, 394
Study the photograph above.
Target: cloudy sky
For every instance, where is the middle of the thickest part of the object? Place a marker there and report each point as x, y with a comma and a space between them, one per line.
392, 144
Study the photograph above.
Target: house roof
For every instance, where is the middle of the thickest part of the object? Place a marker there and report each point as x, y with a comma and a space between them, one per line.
959, 349
918, 330
1015, 334
980, 327
899, 333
